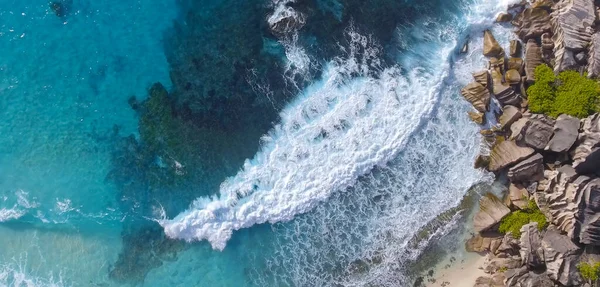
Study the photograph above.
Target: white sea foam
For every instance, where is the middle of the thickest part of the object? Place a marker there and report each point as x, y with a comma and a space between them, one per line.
358, 117
298, 62
11, 276
16, 207
16, 274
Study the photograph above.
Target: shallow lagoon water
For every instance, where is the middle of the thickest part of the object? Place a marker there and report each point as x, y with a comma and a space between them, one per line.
64, 89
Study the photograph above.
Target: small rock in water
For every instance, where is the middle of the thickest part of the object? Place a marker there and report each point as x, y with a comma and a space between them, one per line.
504, 17
59, 8
491, 47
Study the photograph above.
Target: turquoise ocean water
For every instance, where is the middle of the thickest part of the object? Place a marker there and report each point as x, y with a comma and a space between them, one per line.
308, 156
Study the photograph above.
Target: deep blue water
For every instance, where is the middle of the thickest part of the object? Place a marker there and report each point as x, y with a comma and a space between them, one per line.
308, 156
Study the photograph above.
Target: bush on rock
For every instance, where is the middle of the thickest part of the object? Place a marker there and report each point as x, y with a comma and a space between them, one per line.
514, 221
568, 93
589, 271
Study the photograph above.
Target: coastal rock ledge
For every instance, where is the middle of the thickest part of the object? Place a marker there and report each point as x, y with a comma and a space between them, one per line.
545, 229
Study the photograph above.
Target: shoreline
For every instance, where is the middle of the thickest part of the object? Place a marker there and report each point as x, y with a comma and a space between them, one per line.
457, 270
546, 141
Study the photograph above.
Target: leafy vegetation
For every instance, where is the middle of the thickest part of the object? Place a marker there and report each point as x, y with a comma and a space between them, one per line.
589, 271
568, 93
514, 221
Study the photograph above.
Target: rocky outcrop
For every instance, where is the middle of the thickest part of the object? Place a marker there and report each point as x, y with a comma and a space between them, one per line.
477, 95
517, 127
533, 58
532, 23
589, 141
476, 117
506, 95
571, 202
566, 130
482, 77
572, 23
587, 227
513, 77
510, 114
515, 48
509, 246
537, 132
593, 68
532, 253
494, 281
507, 153
516, 64
504, 17
557, 198
562, 257
506, 262
491, 211
527, 171
491, 47
518, 196
547, 48
285, 20
522, 277
482, 243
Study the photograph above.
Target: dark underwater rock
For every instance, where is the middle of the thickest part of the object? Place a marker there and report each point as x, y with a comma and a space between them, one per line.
59, 8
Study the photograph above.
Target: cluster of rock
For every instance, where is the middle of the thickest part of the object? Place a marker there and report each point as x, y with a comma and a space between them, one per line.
555, 162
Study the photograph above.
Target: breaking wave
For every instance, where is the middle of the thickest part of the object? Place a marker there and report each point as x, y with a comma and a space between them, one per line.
358, 118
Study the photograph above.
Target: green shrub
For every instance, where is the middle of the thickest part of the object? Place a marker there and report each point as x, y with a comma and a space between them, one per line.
589, 271
541, 95
568, 93
514, 221
576, 96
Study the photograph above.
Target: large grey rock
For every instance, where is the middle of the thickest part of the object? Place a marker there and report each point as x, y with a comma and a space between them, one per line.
591, 165
506, 95
556, 198
566, 130
571, 202
517, 127
532, 253
508, 247
507, 153
510, 114
587, 226
491, 47
593, 68
537, 132
533, 58
491, 211
529, 170
532, 23
477, 95
561, 256
589, 139
572, 23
